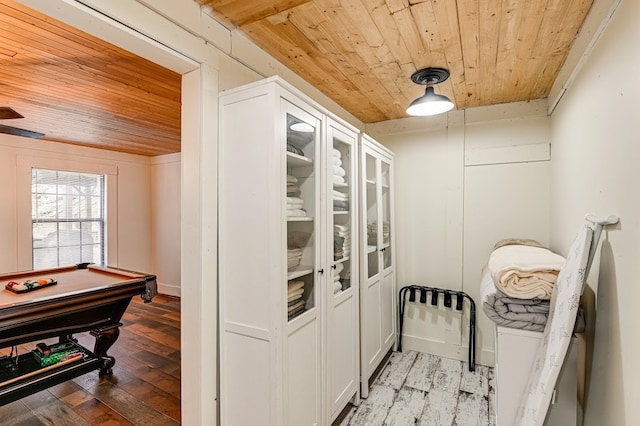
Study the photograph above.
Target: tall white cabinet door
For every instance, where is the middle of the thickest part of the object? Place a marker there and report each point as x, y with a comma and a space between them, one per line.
377, 273
302, 289
272, 272
388, 317
342, 314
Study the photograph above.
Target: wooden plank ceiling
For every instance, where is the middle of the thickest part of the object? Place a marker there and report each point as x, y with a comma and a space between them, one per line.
361, 53
75, 88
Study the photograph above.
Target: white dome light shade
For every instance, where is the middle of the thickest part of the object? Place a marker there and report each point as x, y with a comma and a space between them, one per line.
430, 104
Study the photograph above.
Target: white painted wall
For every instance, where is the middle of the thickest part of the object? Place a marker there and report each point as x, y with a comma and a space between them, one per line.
165, 221
129, 240
596, 153
464, 181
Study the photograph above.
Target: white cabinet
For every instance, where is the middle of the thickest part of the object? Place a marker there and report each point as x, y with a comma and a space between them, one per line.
515, 355
287, 351
377, 258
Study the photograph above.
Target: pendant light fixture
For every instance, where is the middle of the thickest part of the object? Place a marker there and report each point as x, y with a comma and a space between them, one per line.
430, 103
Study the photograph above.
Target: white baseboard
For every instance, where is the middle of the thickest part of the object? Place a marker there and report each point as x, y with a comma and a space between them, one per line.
434, 347
169, 290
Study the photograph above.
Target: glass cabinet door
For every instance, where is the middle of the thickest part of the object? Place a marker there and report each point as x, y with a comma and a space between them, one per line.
384, 226
302, 136
371, 215
342, 204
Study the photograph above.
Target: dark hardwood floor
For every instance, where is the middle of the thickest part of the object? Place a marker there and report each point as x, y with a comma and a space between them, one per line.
143, 390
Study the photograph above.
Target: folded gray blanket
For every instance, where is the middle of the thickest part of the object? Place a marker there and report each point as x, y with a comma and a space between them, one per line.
525, 314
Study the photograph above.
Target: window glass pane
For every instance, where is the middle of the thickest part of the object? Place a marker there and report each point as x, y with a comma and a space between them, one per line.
69, 255
45, 258
94, 207
69, 233
44, 181
45, 206
45, 235
65, 207
91, 232
91, 252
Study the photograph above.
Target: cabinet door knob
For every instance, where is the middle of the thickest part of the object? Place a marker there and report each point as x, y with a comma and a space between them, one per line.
334, 266
321, 271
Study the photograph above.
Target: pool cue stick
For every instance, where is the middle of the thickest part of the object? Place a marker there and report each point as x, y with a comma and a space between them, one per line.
70, 360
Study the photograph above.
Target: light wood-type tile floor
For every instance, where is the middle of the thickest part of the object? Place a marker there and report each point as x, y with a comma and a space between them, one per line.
422, 389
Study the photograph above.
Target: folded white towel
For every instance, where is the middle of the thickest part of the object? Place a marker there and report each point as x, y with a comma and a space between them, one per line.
525, 272
337, 153
338, 179
339, 268
338, 171
337, 195
337, 161
337, 287
294, 285
295, 295
294, 206
296, 213
292, 179
294, 200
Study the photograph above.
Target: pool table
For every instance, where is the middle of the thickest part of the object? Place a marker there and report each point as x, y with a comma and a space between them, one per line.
86, 297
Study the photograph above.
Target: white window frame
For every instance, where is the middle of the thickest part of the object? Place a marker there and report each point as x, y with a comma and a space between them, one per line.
25, 164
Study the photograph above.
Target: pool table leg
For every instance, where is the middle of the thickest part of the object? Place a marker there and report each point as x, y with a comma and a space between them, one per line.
105, 338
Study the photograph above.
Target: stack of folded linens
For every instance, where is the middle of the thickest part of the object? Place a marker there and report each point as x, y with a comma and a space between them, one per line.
295, 302
524, 269
341, 242
294, 255
517, 283
339, 172
295, 204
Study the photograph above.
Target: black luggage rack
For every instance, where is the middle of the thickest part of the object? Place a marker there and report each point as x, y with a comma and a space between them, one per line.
448, 295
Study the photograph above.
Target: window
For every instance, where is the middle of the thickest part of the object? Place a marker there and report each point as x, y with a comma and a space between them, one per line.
68, 218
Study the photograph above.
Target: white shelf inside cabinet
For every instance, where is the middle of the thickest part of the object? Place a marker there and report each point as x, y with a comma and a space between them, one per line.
371, 183
340, 212
371, 249
299, 219
340, 185
344, 259
295, 160
299, 271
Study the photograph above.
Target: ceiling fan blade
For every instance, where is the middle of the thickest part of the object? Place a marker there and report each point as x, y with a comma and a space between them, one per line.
7, 113
20, 132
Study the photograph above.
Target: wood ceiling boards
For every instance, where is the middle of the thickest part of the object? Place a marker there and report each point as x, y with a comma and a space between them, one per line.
78, 89
361, 53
